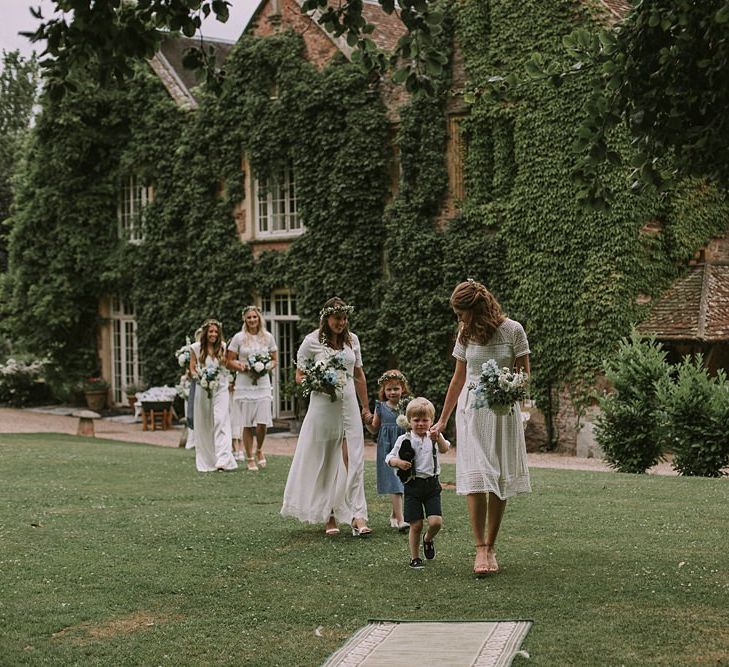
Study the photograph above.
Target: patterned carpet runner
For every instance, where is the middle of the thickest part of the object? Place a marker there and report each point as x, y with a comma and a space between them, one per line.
445, 644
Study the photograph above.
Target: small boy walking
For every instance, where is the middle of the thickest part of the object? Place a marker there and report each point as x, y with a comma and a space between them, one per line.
416, 457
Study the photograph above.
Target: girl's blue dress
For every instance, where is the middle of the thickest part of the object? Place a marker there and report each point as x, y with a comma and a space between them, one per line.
387, 479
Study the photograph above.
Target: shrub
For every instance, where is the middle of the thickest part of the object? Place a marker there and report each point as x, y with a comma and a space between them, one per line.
628, 430
695, 411
22, 382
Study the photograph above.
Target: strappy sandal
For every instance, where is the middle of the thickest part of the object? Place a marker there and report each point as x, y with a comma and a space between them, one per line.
260, 458
251, 464
364, 531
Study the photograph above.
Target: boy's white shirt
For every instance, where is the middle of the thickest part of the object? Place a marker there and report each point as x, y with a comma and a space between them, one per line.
423, 448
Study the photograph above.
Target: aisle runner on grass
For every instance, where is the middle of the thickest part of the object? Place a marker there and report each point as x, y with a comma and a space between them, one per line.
446, 644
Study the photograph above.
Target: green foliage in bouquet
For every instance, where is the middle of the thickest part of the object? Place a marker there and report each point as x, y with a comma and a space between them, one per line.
695, 410
628, 430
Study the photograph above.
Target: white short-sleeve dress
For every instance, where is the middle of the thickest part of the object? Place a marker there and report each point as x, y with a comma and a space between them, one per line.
251, 402
213, 444
319, 484
491, 451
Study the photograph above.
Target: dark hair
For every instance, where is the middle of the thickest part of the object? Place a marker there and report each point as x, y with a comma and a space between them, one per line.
217, 346
326, 336
481, 312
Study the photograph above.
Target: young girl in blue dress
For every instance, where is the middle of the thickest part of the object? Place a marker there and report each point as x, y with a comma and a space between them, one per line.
393, 392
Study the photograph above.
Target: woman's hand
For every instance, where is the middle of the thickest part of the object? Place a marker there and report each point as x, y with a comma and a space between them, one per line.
367, 415
436, 429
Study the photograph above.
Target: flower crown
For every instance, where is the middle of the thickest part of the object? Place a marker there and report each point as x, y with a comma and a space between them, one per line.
397, 375
334, 310
247, 308
207, 323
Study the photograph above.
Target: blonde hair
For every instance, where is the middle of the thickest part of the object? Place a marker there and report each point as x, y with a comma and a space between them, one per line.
420, 407
261, 323
480, 312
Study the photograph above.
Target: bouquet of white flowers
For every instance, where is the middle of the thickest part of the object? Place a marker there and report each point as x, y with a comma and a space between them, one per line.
183, 353
183, 387
209, 378
498, 388
325, 375
259, 363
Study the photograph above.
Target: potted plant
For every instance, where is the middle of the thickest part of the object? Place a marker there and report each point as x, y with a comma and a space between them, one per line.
96, 392
131, 390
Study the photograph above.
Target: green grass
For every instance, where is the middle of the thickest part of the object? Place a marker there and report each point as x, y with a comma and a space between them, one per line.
121, 554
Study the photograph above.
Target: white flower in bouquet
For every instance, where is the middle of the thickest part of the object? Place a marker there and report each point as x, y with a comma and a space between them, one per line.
183, 353
259, 363
402, 422
499, 388
209, 379
326, 375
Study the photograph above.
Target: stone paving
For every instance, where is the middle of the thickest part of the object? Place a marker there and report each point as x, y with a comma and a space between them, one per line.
57, 419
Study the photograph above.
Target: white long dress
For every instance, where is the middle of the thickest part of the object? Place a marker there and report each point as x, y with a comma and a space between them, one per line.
319, 484
251, 402
491, 451
213, 443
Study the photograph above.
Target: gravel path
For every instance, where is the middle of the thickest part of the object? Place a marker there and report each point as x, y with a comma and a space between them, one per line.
56, 420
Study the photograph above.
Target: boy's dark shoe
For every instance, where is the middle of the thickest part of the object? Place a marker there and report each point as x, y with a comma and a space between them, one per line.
417, 564
429, 549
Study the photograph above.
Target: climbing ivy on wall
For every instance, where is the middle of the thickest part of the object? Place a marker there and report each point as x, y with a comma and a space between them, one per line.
570, 277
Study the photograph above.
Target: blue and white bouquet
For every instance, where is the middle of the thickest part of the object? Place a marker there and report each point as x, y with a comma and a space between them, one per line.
499, 388
259, 363
326, 376
183, 353
209, 378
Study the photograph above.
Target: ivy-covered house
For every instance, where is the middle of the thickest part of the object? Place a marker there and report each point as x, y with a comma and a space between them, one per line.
146, 208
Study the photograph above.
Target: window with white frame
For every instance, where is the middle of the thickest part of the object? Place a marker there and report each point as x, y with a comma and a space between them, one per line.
133, 197
276, 206
279, 311
126, 366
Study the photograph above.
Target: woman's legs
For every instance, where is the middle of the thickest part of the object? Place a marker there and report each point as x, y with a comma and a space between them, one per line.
485, 519
260, 437
248, 444
397, 508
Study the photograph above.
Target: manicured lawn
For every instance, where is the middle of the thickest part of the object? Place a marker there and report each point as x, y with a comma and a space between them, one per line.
121, 554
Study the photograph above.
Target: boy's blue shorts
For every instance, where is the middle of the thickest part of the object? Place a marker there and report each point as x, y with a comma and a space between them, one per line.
422, 492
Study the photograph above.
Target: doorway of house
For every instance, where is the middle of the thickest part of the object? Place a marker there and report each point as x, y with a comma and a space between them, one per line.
279, 310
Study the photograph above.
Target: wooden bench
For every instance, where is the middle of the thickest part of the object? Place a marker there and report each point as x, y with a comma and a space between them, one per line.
156, 414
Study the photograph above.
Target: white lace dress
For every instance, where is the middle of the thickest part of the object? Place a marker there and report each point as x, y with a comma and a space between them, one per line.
491, 451
251, 402
213, 443
318, 482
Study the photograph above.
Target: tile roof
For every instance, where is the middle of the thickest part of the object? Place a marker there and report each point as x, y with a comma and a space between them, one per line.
695, 307
180, 81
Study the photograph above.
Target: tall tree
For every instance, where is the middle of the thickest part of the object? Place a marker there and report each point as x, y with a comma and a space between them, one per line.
19, 80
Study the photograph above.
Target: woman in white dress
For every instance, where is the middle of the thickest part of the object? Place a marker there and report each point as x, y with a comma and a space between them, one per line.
252, 400
321, 487
491, 463
211, 412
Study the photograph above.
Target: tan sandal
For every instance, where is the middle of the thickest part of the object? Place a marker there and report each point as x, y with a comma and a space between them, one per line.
260, 458
251, 464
